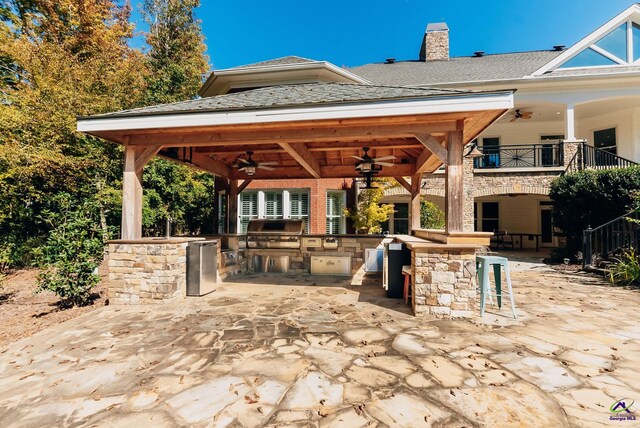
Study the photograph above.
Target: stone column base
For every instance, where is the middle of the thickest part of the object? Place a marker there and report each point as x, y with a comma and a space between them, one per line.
147, 272
444, 282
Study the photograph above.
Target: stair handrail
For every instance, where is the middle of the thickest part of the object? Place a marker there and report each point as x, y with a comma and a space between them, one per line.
587, 234
585, 157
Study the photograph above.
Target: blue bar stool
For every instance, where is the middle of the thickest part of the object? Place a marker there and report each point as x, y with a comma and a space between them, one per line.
483, 263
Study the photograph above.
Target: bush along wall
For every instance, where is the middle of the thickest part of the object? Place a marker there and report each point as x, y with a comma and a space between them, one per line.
591, 198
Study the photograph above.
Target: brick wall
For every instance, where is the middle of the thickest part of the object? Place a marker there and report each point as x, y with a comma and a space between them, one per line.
317, 196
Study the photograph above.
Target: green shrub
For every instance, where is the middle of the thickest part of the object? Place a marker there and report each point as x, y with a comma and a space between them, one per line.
72, 252
431, 217
591, 198
625, 269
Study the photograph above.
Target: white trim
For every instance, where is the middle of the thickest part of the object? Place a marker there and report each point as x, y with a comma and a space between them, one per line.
302, 66
607, 54
592, 38
629, 41
444, 104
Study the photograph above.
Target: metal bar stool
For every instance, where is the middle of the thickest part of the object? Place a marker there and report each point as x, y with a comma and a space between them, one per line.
483, 263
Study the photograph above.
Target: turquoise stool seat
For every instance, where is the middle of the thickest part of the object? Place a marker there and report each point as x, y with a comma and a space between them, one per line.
483, 264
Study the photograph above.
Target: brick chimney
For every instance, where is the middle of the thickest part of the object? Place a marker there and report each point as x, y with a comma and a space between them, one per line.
435, 45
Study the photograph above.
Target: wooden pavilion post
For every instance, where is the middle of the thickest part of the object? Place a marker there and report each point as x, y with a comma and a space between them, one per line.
131, 196
232, 204
414, 205
454, 183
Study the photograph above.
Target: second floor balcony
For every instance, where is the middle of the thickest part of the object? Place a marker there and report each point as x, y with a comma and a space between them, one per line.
520, 156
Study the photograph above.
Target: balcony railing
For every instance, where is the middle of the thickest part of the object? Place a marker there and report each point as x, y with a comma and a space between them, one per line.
521, 156
589, 157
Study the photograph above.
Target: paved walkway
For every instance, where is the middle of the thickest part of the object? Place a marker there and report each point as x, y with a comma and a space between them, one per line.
255, 354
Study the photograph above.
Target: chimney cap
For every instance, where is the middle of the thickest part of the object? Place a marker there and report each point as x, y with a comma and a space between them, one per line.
559, 48
390, 61
437, 26
478, 54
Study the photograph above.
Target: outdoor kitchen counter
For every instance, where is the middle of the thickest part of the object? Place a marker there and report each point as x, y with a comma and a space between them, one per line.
416, 243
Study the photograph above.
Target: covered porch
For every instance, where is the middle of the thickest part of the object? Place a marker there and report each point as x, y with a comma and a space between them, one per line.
306, 131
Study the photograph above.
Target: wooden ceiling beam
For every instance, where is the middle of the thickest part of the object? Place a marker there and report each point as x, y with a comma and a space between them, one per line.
329, 171
304, 157
206, 164
331, 136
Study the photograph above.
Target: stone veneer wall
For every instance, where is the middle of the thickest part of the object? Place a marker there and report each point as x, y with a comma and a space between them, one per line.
444, 282
144, 273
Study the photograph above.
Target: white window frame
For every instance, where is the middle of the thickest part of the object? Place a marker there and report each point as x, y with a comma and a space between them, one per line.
261, 201
340, 215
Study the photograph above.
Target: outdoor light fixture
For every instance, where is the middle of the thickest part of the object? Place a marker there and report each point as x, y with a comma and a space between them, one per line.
250, 170
474, 153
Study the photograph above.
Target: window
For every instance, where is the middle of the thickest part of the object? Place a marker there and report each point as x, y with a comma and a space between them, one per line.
615, 42
335, 214
491, 153
272, 204
401, 219
299, 207
605, 140
551, 153
621, 46
475, 216
490, 216
247, 210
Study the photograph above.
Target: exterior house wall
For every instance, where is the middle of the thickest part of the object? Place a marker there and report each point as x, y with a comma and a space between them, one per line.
523, 131
317, 196
628, 143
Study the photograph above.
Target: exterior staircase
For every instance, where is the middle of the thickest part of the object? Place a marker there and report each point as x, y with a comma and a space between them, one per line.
610, 239
589, 157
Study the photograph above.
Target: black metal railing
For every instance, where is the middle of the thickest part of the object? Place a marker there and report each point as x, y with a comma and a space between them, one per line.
611, 238
520, 156
589, 157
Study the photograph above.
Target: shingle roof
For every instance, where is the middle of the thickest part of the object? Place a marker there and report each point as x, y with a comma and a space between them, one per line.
456, 70
285, 60
291, 96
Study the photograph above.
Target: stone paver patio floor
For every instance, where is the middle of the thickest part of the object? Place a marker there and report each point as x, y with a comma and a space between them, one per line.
259, 354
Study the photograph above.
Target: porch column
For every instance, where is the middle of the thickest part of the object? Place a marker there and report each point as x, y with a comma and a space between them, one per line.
414, 205
232, 204
131, 196
454, 183
571, 123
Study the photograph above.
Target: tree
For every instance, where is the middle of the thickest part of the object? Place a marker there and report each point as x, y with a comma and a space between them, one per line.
176, 57
431, 217
59, 59
369, 213
177, 64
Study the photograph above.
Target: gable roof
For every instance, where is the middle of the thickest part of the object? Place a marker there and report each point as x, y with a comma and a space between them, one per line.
285, 60
631, 12
291, 96
495, 67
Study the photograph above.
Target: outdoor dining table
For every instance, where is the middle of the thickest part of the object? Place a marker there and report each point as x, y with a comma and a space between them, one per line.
537, 236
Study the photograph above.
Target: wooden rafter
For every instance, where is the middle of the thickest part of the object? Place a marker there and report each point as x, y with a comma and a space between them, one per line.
304, 157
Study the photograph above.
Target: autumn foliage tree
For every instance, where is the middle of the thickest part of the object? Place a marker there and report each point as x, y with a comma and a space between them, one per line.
60, 59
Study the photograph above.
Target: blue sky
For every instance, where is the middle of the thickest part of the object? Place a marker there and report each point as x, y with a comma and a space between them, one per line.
349, 33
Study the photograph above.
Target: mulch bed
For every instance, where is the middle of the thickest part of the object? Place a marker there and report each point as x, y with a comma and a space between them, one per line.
23, 312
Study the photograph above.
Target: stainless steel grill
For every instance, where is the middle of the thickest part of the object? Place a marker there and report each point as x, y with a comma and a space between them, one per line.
285, 233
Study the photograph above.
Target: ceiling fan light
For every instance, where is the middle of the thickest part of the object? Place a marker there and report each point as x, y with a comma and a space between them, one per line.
250, 170
365, 167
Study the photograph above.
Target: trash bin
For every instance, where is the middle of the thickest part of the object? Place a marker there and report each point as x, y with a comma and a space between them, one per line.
202, 267
397, 255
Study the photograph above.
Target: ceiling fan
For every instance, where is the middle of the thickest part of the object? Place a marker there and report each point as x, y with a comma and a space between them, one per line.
249, 165
368, 164
526, 115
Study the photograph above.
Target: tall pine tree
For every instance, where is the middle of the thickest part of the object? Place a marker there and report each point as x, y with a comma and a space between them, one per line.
176, 57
